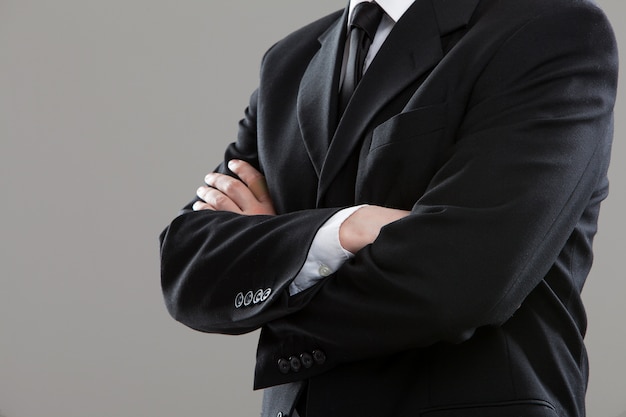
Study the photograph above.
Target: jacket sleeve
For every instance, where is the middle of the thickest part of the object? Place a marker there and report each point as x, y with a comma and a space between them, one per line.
532, 153
226, 273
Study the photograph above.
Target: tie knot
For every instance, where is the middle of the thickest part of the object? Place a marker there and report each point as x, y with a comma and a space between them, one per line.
366, 16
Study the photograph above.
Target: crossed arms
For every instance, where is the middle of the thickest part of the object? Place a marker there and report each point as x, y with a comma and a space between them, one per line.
250, 196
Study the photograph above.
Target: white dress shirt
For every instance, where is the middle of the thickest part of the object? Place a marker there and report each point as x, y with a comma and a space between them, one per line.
326, 254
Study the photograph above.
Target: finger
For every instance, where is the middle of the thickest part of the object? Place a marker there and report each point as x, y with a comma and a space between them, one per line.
217, 200
201, 205
258, 186
252, 178
233, 188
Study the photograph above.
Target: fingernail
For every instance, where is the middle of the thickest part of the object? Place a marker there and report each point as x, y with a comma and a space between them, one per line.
233, 164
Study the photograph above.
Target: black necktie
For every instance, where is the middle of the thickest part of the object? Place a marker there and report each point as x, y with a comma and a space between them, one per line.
363, 24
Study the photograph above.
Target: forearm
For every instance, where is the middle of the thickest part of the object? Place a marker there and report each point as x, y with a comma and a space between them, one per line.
209, 257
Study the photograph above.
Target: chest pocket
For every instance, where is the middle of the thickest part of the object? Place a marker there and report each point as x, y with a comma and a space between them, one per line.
404, 154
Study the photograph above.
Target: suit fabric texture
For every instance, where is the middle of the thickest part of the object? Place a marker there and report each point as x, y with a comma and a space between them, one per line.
491, 120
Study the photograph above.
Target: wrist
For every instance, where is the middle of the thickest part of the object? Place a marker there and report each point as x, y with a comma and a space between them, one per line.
356, 232
363, 226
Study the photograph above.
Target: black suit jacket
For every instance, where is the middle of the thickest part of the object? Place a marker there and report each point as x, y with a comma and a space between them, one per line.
491, 120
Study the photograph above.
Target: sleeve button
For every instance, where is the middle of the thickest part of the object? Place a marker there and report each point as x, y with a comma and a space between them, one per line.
258, 297
295, 364
307, 360
319, 357
239, 300
284, 366
248, 298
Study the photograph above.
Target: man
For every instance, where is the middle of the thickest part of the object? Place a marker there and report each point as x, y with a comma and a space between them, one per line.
417, 244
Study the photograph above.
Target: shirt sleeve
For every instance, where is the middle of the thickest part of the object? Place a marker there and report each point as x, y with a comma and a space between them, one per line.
326, 254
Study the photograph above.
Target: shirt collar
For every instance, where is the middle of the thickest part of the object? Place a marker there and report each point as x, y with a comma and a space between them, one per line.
393, 8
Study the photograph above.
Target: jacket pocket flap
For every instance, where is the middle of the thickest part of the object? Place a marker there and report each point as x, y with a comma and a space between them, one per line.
408, 125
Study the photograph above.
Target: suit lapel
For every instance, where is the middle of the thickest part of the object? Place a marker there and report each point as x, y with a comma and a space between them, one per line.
411, 50
317, 96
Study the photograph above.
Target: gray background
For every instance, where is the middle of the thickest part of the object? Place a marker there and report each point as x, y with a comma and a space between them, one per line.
111, 112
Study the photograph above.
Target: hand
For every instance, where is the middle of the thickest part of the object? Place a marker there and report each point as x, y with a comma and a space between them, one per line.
248, 196
363, 226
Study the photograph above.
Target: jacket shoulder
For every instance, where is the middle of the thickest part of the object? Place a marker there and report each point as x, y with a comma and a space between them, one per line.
521, 11
303, 38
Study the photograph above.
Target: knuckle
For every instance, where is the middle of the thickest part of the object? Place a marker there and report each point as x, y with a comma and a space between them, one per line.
255, 175
218, 199
230, 186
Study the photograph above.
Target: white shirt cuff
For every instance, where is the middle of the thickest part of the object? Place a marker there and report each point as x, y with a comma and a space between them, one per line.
326, 254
